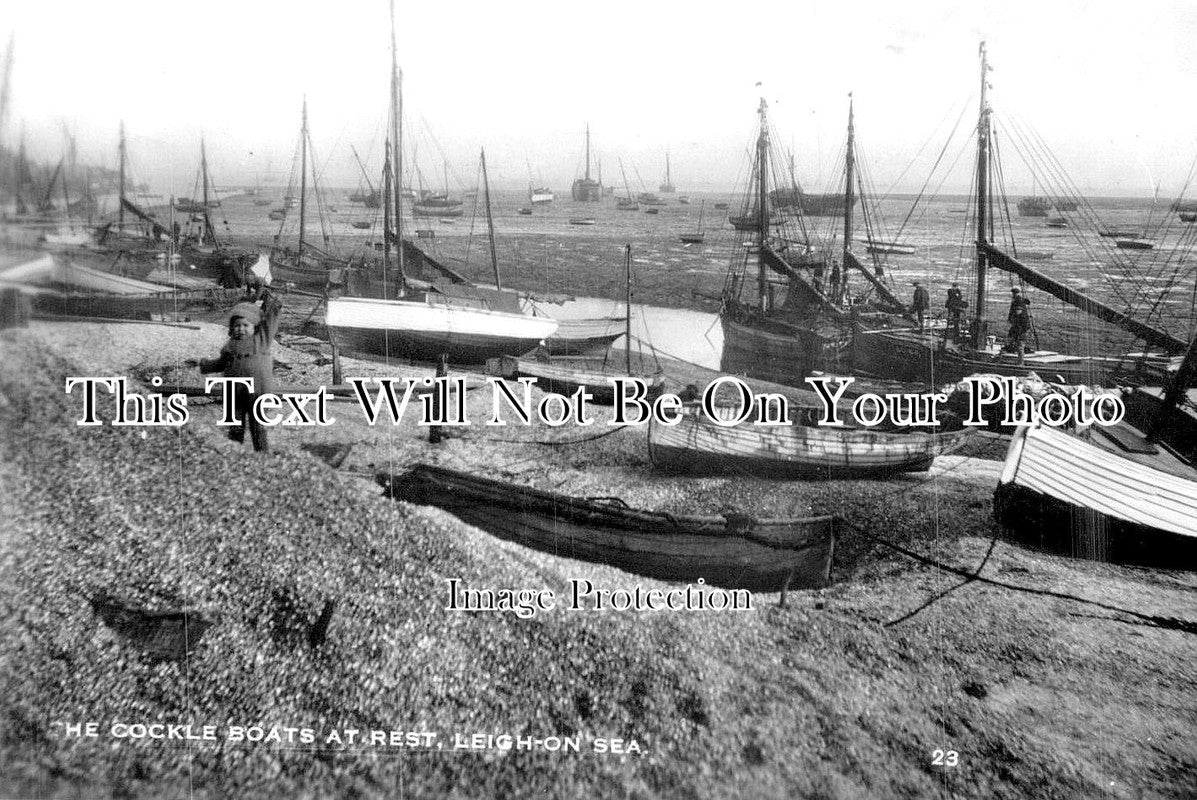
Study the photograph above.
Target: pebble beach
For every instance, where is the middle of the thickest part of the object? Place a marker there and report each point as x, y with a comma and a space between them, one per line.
1044, 676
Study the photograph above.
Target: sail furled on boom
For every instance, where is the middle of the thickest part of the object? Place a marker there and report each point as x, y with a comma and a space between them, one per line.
1151, 335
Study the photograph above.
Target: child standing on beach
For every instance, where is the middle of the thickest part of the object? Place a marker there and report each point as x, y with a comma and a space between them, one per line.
247, 355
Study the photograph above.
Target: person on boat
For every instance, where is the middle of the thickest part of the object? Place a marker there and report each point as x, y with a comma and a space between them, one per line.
921, 304
247, 355
955, 305
1019, 319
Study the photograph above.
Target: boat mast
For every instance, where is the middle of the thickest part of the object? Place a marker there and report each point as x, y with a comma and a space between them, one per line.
841, 287
397, 148
587, 152
120, 219
627, 324
303, 178
209, 233
762, 203
386, 216
490, 223
982, 204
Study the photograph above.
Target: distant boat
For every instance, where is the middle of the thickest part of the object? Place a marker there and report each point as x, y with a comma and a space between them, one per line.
652, 210
891, 248
683, 200
667, 186
278, 214
581, 220
585, 190
1116, 234
721, 206
1033, 207
733, 551
698, 236
540, 196
526, 211
1035, 255
1057, 222
1188, 216
1134, 244
361, 225
624, 204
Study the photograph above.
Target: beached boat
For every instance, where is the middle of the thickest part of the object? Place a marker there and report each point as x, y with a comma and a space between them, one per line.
584, 336
785, 307
733, 551
581, 220
914, 355
1134, 244
697, 444
469, 326
585, 190
1123, 493
1057, 222
1188, 216
527, 212
555, 377
362, 225
371, 198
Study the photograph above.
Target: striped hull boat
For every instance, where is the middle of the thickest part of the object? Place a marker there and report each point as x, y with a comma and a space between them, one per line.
698, 445
1069, 495
733, 551
585, 336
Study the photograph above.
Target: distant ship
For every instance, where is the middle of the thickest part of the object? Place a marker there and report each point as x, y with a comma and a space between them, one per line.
584, 189
812, 205
540, 195
1033, 207
667, 187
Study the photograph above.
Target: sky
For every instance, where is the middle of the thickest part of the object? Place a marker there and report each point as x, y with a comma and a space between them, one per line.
1106, 85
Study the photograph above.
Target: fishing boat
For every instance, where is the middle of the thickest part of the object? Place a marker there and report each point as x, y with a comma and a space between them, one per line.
733, 551
585, 190
698, 444
667, 186
915, 355
1125, 493
785, 309
698, 237
451, 317
307, 266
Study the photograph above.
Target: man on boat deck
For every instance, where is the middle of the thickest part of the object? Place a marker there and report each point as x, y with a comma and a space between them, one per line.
921, 304
955, 306
1019, 319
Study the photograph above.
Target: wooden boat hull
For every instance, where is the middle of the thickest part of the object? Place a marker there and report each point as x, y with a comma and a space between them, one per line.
772, 352
585, 336
566, 380
697, 445
1067, 495
733, 552
424, 330
907, 355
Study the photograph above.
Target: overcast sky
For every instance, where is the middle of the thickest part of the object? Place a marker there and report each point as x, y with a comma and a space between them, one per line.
1107, 85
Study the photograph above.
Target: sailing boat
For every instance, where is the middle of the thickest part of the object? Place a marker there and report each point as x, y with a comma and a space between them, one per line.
369, 199
667, 187
537, 195
467, 324
913, 355
627, 202
568, 379
1123, 493
435, 204
200, 250
794, 317
309, 265
698, 237
584, 189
